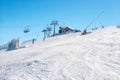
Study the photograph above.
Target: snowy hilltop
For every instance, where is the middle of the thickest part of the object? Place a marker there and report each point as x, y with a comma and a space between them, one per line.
95, 56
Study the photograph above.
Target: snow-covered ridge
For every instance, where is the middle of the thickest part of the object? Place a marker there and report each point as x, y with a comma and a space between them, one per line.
95, 56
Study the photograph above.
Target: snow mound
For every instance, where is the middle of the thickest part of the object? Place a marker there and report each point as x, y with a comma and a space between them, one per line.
95, 56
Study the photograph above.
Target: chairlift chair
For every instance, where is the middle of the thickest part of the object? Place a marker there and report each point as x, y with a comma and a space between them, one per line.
26, 30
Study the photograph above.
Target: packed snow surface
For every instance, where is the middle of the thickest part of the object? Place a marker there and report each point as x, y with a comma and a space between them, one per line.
95, 56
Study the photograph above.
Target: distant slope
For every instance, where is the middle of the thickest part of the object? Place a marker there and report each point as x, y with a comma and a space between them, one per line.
94, 56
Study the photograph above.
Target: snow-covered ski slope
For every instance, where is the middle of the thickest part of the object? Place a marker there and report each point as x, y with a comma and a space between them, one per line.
95, 56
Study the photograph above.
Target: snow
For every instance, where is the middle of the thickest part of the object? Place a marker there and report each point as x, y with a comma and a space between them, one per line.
95, 56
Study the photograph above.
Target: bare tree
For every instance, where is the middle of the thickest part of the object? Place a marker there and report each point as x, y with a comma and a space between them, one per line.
54, 23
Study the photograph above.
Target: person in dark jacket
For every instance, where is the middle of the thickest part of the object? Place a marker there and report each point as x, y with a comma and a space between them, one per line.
33, 41
84, 32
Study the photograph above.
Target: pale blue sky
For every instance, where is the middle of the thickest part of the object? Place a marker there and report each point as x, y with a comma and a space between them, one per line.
16, 14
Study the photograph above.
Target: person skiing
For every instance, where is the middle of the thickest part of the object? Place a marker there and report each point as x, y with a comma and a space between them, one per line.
84, 32
33, 41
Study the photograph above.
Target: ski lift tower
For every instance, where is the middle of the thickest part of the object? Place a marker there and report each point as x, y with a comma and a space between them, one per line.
54, 23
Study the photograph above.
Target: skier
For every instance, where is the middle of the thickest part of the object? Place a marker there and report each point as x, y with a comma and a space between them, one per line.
84, 32
33, 41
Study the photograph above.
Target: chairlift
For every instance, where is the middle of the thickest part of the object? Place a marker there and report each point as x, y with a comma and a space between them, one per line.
26, 29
